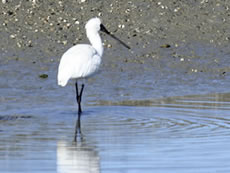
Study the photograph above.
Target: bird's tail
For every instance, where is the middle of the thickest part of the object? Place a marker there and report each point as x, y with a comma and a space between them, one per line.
62, 80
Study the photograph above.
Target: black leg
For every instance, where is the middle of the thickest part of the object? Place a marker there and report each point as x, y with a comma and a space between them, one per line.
82, 87
78, 122
78, 97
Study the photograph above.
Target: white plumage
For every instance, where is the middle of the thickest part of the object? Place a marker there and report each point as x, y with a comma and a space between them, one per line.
83, 60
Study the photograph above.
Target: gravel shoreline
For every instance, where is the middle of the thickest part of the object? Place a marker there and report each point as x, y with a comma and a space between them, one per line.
50, 27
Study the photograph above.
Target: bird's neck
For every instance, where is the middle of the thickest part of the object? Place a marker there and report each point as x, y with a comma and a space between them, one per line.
96, 42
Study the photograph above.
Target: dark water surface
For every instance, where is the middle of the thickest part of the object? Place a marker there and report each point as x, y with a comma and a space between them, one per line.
176, 134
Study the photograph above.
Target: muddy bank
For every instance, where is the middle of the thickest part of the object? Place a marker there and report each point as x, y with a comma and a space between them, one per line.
50, 27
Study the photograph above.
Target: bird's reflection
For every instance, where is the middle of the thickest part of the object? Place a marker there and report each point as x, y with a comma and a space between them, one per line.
78, 156
77, 132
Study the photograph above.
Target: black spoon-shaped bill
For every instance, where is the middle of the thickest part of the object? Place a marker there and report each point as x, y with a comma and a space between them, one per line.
103, 29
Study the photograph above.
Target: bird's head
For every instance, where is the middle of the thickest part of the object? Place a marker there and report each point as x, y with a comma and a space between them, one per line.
93, 25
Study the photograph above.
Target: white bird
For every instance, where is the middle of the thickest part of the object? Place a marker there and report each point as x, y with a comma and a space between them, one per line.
83, 60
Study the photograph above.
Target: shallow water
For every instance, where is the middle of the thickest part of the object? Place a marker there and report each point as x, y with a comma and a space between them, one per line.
175, 134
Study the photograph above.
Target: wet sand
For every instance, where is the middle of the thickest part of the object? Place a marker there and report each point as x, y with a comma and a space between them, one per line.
163, 106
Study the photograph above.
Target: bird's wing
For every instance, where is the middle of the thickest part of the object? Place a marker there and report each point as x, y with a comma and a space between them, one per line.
75, 61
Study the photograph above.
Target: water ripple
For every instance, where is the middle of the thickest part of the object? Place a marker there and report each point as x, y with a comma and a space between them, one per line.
198, 115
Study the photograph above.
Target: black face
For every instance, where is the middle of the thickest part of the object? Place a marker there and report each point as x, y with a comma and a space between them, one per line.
103, 29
